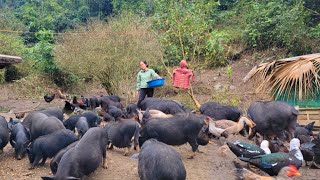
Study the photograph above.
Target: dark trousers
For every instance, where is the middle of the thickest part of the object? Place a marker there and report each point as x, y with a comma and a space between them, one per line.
142, 94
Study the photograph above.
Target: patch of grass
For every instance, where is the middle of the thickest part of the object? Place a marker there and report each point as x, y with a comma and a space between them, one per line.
2, 76
172, 93
226, 98
4, 109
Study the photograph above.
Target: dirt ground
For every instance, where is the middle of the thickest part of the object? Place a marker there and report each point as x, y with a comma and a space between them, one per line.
214, 163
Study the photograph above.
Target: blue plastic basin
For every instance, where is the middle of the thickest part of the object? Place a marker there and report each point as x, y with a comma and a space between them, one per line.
155, 83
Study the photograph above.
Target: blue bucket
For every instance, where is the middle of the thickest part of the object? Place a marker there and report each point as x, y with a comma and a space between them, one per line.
155, 83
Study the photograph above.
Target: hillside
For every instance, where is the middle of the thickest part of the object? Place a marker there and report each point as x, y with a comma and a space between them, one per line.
214, 163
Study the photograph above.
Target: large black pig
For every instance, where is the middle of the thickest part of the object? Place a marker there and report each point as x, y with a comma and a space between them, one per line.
53, 111
56, 159
94, 102
40, 124
273, 118
159, 161
116, 113
166, 106
85, 157
217, 111
132, 111
107, 101
92, 119
49, 145
177, 130
19, 139
121, 133
82, 126
4, 133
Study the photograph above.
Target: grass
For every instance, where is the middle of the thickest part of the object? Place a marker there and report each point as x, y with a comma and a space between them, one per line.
4, 109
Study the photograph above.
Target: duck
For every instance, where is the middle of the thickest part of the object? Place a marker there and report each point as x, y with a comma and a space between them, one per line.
232, 127
304, 138
277, 146
307, 151
316, 150
217, 132
241, 149
306, 130
274, 162
285, 173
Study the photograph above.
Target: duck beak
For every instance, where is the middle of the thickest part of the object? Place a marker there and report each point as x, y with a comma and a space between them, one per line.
297, 174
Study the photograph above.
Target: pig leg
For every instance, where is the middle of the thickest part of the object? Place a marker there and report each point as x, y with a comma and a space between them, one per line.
136, 138
193, 143
192, 155
110, 145
127, 142
137, 148
35, 161
43, 160
199, 151
126, 153
104, 163
104, 156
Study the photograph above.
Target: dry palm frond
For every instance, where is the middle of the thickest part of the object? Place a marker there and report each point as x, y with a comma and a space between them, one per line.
298, 76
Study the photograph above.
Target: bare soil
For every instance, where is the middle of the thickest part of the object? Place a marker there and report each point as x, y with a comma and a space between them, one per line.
215, 162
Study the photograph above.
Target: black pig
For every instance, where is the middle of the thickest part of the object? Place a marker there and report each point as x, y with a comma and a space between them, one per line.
159, 161
49, 145
19, 139
85, 157
177, 130
122, 132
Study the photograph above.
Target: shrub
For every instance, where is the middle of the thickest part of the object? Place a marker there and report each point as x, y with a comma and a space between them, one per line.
12, 74
276, 24
109, 52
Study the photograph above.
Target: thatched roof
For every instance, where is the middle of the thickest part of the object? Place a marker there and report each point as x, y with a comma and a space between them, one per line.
6, 60
296, 75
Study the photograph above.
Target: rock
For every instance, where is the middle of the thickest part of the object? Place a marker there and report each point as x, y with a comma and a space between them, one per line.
232, 87
218, 87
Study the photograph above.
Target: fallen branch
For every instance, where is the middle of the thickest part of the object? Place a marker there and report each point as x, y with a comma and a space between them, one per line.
190, 92
28, 174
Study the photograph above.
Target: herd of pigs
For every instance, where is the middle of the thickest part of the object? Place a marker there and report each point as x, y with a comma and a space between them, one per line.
77, 145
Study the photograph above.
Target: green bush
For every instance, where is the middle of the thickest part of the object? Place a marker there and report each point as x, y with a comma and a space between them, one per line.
185, 31
276, 24
109, 52
12, 73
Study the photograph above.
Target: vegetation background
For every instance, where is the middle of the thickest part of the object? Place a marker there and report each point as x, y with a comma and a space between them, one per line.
72, 44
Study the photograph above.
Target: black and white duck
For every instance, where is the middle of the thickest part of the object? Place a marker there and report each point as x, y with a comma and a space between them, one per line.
274, 162
241, 149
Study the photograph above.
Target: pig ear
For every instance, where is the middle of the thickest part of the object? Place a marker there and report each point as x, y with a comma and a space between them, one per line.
47, 177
